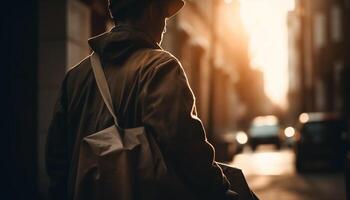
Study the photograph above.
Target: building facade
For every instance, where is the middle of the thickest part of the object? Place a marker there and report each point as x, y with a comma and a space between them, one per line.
319, 57
211, 71
208, 38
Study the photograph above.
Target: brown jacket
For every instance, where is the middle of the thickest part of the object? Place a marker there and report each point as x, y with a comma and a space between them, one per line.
150, 90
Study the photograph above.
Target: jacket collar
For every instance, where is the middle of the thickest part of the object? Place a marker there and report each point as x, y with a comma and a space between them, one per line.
120, 42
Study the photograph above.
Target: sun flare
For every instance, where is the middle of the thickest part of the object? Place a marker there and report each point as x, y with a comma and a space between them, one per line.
266, 24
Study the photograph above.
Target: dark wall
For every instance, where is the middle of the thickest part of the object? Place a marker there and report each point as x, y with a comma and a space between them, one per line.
19, 35
346, 74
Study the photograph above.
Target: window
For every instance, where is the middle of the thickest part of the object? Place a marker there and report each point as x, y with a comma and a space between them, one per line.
319, 30
336, 23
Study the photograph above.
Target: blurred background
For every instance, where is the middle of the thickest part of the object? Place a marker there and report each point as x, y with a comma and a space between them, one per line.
271, 80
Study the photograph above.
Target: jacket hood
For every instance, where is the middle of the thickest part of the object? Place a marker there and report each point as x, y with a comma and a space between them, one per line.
119, 43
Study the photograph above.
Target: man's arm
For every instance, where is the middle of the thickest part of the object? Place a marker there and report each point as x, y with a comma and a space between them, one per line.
57, 149
169, 113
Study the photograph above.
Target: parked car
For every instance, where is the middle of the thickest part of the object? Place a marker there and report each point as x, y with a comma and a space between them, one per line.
265, 130
225, 147
347, 176
321, 141
229, 144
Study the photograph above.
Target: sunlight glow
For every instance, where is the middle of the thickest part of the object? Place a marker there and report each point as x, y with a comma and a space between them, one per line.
266, 24
265, 163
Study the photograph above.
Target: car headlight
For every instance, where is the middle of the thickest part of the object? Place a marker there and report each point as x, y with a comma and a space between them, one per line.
289, 132
242, 137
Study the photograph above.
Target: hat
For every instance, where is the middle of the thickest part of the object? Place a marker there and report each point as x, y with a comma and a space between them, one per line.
174, 7
121, 7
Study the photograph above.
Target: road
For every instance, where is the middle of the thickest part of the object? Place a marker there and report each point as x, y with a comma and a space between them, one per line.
272, 176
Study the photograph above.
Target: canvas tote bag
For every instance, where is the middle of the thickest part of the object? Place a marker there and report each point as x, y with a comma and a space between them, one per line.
122, 164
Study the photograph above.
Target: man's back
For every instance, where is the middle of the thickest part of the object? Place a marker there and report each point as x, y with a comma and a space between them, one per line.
149, 88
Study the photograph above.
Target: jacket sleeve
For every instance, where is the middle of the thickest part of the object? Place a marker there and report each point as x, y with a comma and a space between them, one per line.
57, 149
169, 113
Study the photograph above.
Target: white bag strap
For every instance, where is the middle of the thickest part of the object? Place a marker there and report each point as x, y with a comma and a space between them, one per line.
102, 84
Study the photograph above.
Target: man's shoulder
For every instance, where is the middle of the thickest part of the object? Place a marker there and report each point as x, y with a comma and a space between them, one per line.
156, 55
152, 59
83, 65
77, 72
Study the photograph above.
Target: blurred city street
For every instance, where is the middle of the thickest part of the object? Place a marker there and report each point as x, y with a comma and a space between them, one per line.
271, 175
261, 75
